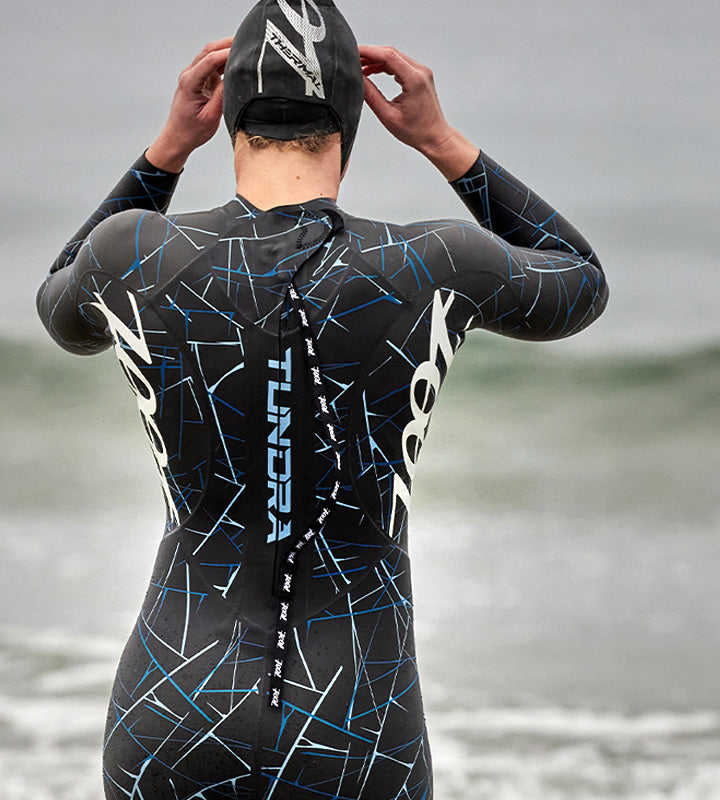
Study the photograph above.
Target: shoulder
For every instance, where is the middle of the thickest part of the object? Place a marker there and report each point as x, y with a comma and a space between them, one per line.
436, 248
115, 243
144, 247
442, 231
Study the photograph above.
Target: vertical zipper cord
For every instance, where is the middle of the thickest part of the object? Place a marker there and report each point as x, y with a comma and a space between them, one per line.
285, 588
288, 573
276, 554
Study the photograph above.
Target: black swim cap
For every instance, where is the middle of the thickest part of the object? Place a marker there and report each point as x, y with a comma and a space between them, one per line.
293, 71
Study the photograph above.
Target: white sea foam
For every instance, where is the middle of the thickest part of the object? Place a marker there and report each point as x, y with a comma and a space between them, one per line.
574, 724
47, 773
52, 722
52, 711
517, 755
592, 762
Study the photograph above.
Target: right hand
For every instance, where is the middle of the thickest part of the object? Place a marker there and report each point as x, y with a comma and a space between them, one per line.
196, 108
415, 116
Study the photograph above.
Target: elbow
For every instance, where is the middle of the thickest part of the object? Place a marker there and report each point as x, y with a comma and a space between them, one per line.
570, 311
594, 291
42, 304
63, 323
591, 303
601, 290
603, 293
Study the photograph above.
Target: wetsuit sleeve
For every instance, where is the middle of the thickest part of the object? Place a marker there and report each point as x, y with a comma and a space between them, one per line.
143, 188
538, 278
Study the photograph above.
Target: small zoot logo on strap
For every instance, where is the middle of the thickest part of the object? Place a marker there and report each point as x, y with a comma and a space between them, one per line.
307, 64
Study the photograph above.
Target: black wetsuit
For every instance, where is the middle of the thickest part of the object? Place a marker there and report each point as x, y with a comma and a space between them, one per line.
197, 307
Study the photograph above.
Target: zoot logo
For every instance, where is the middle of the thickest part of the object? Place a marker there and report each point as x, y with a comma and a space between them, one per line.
424, 389
147, 401
306, 65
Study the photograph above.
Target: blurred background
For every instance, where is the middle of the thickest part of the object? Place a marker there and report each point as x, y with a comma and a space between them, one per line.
566, 511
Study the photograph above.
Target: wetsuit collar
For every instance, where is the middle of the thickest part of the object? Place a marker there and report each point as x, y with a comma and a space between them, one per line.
316, 205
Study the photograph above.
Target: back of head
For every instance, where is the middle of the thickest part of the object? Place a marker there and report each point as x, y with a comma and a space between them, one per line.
294, 71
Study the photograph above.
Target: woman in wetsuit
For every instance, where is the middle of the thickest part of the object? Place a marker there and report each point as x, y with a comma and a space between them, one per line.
286, 357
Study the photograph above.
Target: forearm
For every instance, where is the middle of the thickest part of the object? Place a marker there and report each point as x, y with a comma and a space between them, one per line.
193, 120
451, 153
551, 284
144, 186
497, 200
504, 205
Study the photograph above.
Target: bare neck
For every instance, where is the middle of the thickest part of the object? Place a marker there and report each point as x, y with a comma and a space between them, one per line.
272, 176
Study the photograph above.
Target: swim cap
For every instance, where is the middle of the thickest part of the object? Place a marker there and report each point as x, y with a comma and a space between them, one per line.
294, 71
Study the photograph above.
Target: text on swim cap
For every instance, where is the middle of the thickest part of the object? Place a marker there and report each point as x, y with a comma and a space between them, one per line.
307, 66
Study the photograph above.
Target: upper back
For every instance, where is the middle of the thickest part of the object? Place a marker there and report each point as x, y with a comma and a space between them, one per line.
204, 297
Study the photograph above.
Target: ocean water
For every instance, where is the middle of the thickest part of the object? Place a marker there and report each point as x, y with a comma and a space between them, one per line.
566, 510
565, 571
50, 738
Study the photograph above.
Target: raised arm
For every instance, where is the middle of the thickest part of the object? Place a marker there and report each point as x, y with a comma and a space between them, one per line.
497, 200
549, 283
194, 117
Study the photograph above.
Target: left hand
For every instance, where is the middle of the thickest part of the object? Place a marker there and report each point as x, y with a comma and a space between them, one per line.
196, 108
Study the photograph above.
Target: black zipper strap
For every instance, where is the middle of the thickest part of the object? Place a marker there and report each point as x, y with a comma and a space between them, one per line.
288, 572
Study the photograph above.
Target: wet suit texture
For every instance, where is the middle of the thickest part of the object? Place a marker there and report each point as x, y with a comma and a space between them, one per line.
196, 308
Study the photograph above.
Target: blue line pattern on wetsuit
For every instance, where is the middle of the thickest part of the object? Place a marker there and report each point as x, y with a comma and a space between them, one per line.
192, 304
144, 186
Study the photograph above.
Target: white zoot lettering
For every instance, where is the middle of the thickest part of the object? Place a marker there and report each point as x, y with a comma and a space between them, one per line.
141, 387
424, 389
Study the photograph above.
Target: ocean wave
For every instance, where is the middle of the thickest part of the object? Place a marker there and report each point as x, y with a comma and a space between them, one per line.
574, 724
486, 754
50, 722
498, 358
49, 773
52, 710
580, 774
575, 754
